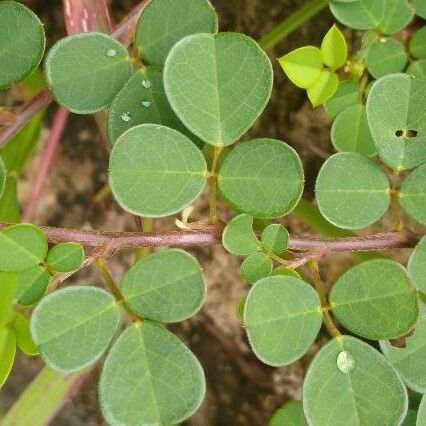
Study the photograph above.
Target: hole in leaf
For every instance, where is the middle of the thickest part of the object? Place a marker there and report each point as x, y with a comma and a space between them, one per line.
410, 133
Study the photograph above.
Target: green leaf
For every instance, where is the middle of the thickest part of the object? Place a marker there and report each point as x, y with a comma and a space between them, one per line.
2, 177
290, 414
162, 382
238, 236
7, 353
410, 419
420, 7
398, 14
72, 327
417, 68
22, 246
239, 309
143, 100
303, 66
386, 56
352, 192
85, 71
275, 238
418, 43
262, 177
155, 171
282, 317
172, 296
9, 205
21, 327
375, 300
350, 131
395, 112
255, 267
164, 22
324, 88
350, 383
412, 195
346, 95
22, 42
410, 361
32, 284
218, 84
282, 270
421, 413
7, 291
66, 257
334, 51
417, 265
359, 14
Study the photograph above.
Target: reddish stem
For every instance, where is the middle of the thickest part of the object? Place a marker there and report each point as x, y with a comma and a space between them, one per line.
46, 160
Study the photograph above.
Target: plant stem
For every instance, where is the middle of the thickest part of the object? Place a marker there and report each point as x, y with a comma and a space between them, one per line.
319, 287
213, 186
290, 24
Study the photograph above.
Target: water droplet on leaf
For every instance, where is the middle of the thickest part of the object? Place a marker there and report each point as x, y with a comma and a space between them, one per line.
126, 116
146, 104
111, 53
345, 362
146, 83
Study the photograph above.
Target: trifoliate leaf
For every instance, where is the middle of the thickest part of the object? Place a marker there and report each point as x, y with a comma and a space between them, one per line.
238, 236
334, 50
275, 238
32, 284
324, 88
346, 95
255, 267
412, 195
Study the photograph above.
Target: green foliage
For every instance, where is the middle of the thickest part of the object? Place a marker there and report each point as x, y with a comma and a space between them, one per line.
418, 44
85, 71
417, 68
22, 247
290, 414
275, 238
154, 41
282, 316
162, 382
350, 131
255, 267
334, 51
213, 95
7, 352
32, 284
2, 177
22, 42
65, 257
73, 326
397, 121
352, 192
324, 88
420, 8
386, 56
375, 300
238, 236
397, 15
268, 191
174, 295
358, 386
21, 328
412, 196
155, 171
417, 265
421, 414
345, 96
8, 288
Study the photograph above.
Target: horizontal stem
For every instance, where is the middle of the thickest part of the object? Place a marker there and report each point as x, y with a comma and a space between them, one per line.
211, 234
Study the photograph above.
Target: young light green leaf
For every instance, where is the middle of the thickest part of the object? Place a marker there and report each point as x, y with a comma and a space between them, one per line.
334, 50
162, 382
275, 238
324, 88
2, 177
8, 284
386, 56
282, 317
22, 42
73, 326
66, 257
421, 413
239, 309
358, 386
262, 177
417, 68
157, 32
238, 236
346, 95
21, 327
155, 171
282, 270
410, 360
85, 71
412, 195
290, 414
359, 14
375, 300
352, 192
255, 267
417, 265
398, 14
418, 43
395, 112
172, 296
212, 91
32, 284
303, 66
350, 131
7, 352
22, 247
420, 8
